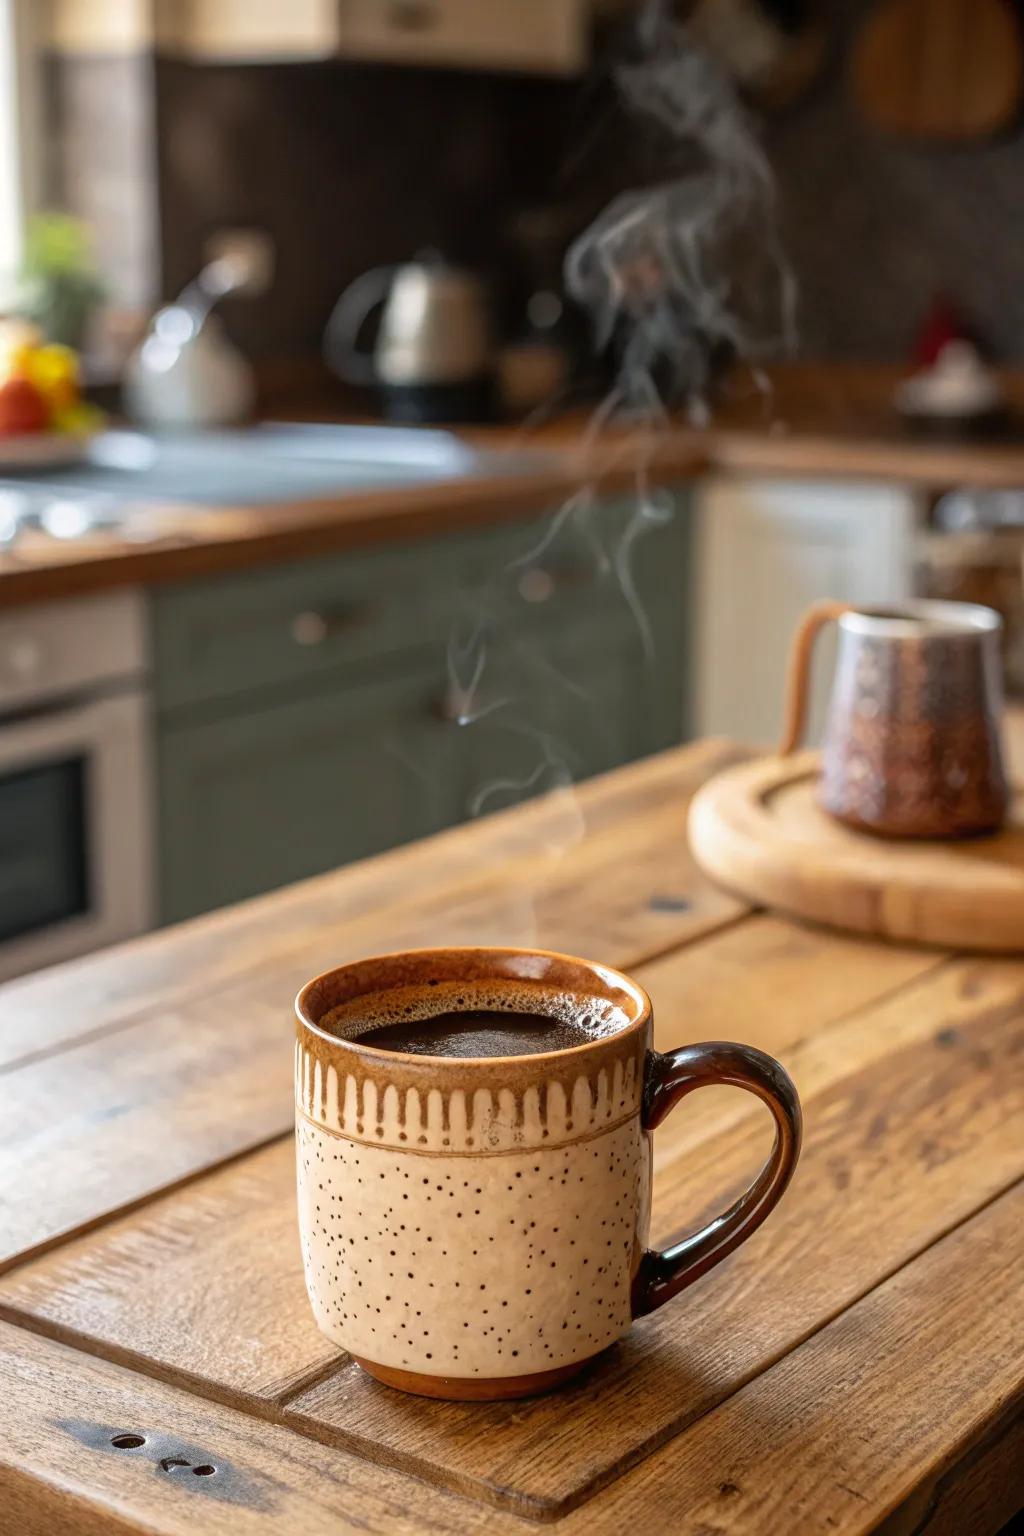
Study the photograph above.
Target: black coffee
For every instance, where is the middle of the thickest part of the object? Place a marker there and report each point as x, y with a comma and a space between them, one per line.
478, 1032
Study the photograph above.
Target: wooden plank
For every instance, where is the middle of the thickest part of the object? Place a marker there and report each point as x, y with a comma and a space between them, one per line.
203, 1286
897, 1153
523, 846
60, 1472
798, 993
223, 1305
904, 1415
214, 1072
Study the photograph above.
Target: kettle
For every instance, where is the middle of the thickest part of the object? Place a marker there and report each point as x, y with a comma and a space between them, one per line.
432, 358
187, 373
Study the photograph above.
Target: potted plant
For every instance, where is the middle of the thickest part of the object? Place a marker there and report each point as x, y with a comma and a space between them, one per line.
59, 286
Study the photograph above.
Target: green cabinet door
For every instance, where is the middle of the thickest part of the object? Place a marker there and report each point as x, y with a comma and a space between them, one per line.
578, 659
289, 748
251, 802
552, 711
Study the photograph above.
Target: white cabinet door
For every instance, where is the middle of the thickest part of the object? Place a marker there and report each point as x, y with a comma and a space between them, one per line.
547, 36
766, 550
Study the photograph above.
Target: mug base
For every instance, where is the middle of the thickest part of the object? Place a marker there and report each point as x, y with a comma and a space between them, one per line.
474, 1389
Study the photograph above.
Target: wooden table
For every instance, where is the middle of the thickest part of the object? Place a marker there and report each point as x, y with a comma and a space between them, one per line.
858, 1365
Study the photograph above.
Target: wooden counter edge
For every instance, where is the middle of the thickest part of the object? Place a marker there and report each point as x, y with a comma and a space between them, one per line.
240, 537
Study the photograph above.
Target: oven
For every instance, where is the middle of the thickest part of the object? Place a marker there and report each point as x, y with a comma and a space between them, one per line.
76, 836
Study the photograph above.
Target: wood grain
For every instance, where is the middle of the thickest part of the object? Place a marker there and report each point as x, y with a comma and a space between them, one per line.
899, 1393
944, 1111
60, 1473
204, 1285
856, 1366
105, 1122
512, 854
759, 830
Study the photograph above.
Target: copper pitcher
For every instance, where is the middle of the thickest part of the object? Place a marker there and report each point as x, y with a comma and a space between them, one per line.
912, 738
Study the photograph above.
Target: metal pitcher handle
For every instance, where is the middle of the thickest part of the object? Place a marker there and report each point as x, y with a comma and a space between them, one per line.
798, 673
344, 355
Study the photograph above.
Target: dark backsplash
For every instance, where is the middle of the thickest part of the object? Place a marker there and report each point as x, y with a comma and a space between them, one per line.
875, 227
350, 166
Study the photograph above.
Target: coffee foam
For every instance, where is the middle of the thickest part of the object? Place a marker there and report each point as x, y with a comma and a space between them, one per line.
596, 1016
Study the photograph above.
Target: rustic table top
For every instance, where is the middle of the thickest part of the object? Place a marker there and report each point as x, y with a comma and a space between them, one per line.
858, 1364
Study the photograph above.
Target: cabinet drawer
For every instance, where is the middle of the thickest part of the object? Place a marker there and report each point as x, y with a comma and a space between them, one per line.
562, 567
247, 632
256, 630
543, 35
257, 800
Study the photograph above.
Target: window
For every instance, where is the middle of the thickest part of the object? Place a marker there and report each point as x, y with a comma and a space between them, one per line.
18, 141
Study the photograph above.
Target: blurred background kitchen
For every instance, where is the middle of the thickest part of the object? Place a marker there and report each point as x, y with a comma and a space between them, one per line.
310, 540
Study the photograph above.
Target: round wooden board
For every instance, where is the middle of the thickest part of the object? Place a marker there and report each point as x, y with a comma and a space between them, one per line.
758, 830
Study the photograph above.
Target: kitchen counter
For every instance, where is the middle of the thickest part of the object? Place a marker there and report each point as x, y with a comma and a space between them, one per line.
857, 1363
815, 422
175, 542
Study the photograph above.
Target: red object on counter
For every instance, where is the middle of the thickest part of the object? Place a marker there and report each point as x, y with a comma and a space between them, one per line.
943, 324
22, 409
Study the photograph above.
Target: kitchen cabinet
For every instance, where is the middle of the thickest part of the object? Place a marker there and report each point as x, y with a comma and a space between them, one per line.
546, 36
764, 551
318, 712
252, 801
542, 36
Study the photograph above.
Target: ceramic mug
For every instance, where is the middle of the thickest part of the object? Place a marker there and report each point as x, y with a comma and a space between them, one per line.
477, 1227
912, 740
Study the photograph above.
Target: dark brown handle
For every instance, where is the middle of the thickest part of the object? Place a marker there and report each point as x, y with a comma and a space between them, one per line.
669, 1078
798, 674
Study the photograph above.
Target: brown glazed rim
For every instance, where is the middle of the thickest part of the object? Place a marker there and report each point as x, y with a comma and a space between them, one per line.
601, 974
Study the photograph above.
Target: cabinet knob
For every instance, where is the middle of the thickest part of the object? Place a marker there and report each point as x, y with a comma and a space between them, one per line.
539, 583
313, 625
412, 15
451, 706
309, 628
24, 658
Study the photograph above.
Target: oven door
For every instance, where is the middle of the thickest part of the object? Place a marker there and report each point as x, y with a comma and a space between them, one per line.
76, 867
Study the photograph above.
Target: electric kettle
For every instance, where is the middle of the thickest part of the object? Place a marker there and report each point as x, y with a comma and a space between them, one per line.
432, 358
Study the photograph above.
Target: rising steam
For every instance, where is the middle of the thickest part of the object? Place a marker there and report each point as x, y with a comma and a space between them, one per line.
675, 277
690, 271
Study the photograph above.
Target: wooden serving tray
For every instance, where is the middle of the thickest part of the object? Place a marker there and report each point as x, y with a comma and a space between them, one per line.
759, 831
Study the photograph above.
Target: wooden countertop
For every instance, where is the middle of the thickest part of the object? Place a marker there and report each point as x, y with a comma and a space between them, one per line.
857, 1365
816, 421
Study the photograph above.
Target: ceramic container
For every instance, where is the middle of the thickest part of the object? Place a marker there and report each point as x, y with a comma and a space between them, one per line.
477, 1227
187, 374
912, 740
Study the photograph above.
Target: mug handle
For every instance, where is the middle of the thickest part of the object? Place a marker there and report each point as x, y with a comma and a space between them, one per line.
669, 1078
798, 673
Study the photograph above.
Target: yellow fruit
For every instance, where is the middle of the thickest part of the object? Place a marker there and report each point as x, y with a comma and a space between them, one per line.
79, 419
54, 371
17, 337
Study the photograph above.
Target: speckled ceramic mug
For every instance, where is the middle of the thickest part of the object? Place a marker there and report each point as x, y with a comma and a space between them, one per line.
476, 1227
